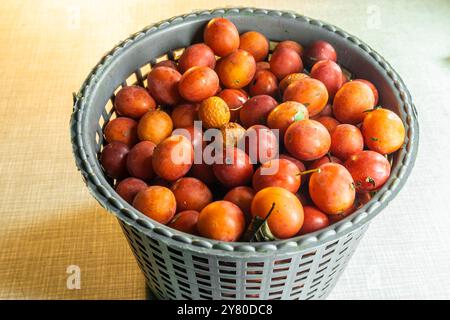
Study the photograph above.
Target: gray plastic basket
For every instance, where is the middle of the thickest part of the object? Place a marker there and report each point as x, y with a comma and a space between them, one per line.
181, 266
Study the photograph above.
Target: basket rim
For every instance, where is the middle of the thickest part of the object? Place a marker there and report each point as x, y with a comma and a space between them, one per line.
111, 201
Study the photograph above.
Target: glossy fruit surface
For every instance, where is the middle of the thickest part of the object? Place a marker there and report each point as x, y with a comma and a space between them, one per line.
198, 83
197, 55
346, 140
372, 87
300, 165
256, 109
264, 82
157, 203
320, 50
369, 169
129, 188
261, 144
310, 92
262, 65
236, 70
352, 102
191, 194
291, 78
297, 47
325, 159
330, 74
314, 220
286, 218
235, 169
242, 197
139, 160
185, 221
222, 36
307, 140
214, 113
255, 43
277, 173
235, 99
221, 220
285, 61
155, 126
184, 115
283, 115
383, 131
166, 63
328, 122
332, 188
114, 160
123, 130
173, 157
133, 102
162, 84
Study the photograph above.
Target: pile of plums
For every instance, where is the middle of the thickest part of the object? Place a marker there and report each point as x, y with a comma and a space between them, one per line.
319, 141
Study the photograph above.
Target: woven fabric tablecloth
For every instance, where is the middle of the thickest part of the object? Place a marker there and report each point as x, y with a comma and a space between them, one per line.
49, 222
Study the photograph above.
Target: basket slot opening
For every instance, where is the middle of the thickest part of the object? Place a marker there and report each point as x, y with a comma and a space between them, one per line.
201, 267
183, 284
257, 280
181, 276
181, 269
228, 295
252, 288
317, 279
347, 241
227, 271
300, 279
185, 290
321, 270
202, 276
252, 296
255, 264
208, 292
145, 70
328, 253
158, 258
204, 283
281, 269
132, 79
279, 278
155, 248
177, 260
311, 293
303, 264
331, 245
227, 280
309, 255
175, 252
254, 272
273, 293
227, 264
228, 287
200, 259
283, 261
277, 285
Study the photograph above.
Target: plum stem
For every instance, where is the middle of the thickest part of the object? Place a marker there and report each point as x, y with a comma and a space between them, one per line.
309, 171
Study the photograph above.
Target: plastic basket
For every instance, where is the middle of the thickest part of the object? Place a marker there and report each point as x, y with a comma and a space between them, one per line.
181, 266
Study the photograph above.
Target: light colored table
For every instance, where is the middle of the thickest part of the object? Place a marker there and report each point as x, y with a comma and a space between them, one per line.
48, 221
